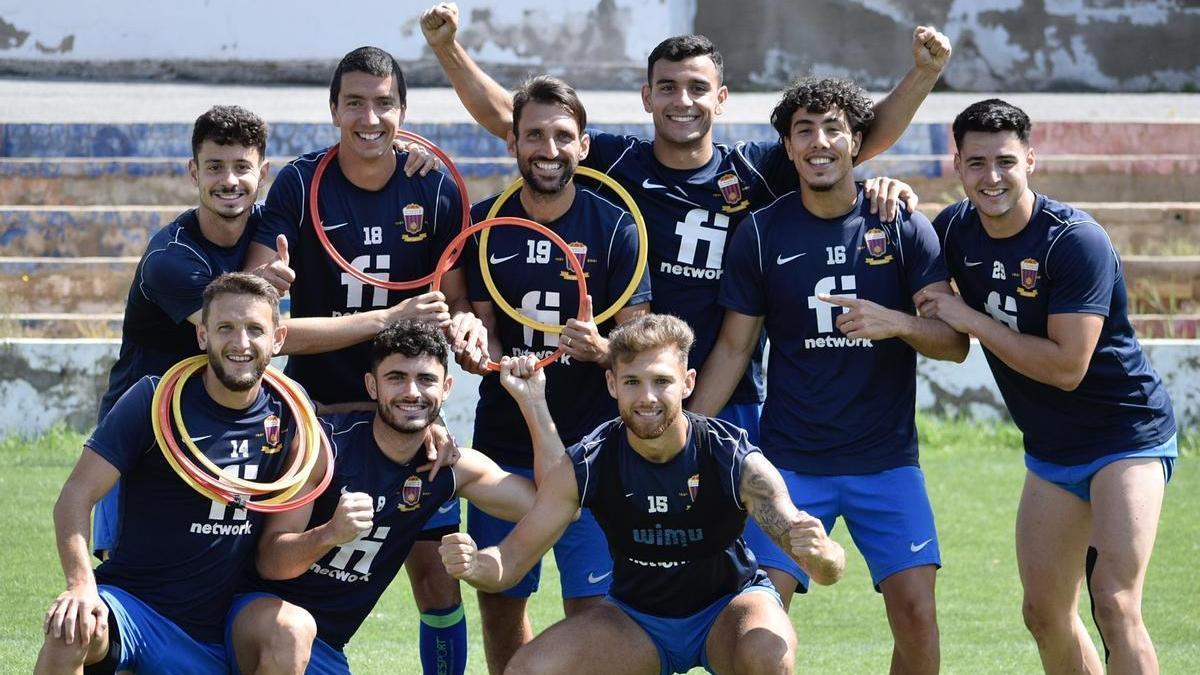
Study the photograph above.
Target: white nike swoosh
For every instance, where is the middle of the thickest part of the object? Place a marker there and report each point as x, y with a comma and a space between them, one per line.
593, 579
445, 508
497, 261
333, 227
783, 261
629, 495
345, 489
917, 547
652, 186
968, 263
200, 438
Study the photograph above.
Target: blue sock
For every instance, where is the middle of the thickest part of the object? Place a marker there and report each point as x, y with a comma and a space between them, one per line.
444, 641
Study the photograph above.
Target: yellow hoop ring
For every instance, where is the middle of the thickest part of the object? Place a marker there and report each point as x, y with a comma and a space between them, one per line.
639, 270
308, 428
290, 486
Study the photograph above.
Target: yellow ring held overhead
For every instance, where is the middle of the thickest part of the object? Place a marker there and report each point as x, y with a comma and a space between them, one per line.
610, 312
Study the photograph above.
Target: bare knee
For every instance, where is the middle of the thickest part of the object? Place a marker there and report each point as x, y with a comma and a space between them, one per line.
56, 656
765, 651
1116, 610
914, 613
528, 660
288, 646
1043, 620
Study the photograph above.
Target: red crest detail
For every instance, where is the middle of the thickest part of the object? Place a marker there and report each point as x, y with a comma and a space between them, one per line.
414, 218
876, 242
693, 486
411, 493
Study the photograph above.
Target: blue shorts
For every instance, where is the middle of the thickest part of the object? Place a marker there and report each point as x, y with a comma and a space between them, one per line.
744, 415
888, 514
106, 522
324, 660
449, 515
1077, 479
681, 641
152, 643
584, 566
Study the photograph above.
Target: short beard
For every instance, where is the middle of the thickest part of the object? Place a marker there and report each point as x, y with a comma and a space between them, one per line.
406, 426
634, 425
237, 382
527, 174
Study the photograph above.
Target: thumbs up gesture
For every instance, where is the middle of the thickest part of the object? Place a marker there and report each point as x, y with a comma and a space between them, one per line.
278, 271
580, 339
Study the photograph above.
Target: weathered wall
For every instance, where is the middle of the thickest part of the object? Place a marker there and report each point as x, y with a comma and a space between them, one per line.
1009, 45
999, 45
45, 381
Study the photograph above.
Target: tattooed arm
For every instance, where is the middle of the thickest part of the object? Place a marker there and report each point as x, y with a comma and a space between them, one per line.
802, 536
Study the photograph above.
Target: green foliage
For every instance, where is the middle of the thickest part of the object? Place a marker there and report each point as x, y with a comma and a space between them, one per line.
974, 473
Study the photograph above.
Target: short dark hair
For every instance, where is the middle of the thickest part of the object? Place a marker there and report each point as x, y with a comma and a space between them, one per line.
683, 47
820, 96
230, 125
410, 338
240, 283
992, 116
548, 90
372, 61
650, 331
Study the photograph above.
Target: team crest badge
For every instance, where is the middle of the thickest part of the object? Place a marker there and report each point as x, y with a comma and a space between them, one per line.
731, 191
876, 242
272, 436
414, 223
580, 251
410, 494
694, 486
1029, 276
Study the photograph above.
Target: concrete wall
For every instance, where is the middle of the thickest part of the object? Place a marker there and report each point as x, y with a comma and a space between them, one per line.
43, 382
1007, 45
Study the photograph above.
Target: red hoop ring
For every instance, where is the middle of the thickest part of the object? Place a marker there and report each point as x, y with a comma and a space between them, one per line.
243, 499
455, 248
314, 210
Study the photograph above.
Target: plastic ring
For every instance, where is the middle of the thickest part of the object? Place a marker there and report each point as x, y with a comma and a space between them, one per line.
453, 250
639, 270
319, 229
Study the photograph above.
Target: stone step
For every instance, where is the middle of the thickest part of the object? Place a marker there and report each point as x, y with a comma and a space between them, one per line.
66, 325
1161, 228
470, 140
99, 285
164, 180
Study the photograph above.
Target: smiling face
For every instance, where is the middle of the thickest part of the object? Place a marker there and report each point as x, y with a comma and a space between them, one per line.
409, 391
650, 389
683, 97
368, 112
240, 336
227, 177
822, 147
994, 168
548, 145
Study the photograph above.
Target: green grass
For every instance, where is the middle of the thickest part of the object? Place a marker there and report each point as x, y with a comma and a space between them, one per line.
974, 475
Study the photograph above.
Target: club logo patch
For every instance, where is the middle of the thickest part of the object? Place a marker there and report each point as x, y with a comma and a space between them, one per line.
732, 193
414, 223
693, 486
580, 251
410, 494
876, 242
1029, 277
272, 436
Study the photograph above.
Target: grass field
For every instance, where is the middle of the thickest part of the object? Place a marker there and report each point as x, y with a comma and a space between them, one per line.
974, 474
